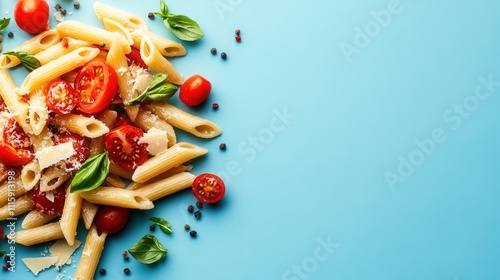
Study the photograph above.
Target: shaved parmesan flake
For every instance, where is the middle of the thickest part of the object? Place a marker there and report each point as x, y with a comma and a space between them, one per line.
52, 155
58, 16
38, 264
156, 139
63, 252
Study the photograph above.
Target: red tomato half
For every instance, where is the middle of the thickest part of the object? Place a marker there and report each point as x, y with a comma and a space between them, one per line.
111, 219
61, 97
195, 90
80, 144
32, 16
15, 145
96, 85
123, 146
51, 202
135, 57
208, 188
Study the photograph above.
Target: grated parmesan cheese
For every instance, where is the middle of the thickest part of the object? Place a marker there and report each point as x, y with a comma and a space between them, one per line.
54, 154
63, 252
38, 264
156, 139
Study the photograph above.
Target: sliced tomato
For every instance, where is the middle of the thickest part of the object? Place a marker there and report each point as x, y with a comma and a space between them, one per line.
80, 144
15, 145
111, 219
121, 119
134, 57
123, 146
96, 84
51, 202
208, 188
61, 97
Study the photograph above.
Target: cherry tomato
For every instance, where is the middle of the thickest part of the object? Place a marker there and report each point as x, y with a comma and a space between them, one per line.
135, 57
111, 219
123, 146
61, 97
1, 232
51, 202
80, 144
195, 90
121, 119
15, 145
208, 188
96, 85
32, 16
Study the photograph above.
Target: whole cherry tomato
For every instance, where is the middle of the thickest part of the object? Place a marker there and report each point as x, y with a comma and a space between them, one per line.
195, 90
32, 16
111, 219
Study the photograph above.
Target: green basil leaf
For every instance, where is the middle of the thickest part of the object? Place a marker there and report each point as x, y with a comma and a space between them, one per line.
27, 60
91, 174
163, 9
4, 23
2, 253
162, 223
148, 250
158, 14
183, 27
158, 90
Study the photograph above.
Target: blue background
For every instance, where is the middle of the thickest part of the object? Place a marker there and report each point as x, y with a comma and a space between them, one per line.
354, 111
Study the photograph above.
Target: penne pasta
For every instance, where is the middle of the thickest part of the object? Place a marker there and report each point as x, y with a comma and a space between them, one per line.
38, 111
117, 170
89, 210
8, 92
30, 175
7, 187
146, 120
53, 177
172, 157
64, 47
70, 216
117, 197
171, 172
35, 218
165, 46
17, 207
85, 126
92, 250
128, 20
38, 235
153, 58
164, 187
86, 32
116, 27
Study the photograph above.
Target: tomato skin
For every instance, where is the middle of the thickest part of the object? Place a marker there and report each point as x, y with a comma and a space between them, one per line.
15, 146
135, 57
123, 146
208, 188
61, 97
111, 219
121, 119
96, 85
49, 206
32, 16
195, 90
1, 232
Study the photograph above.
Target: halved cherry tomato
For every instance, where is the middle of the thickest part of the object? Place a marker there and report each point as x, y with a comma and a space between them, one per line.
121, 119
80, 144
111, 219
208, 188
135, 57
123, 146
32, 16
51, 202
61, 97
96, 85
15, 145
195, 90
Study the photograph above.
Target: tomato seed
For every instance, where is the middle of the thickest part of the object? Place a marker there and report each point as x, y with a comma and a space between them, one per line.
190, 208
193, 233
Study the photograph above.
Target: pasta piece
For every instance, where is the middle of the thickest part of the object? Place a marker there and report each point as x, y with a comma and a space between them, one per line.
117, 170
57, 67
64, 47
153, 58
85, 126
195, 125
43, 140
118, 197
128, 20
8, 92
115, 181
36, 218
53, 177
38, 111
165, 46
30, 175
32, 46
146, 120
117, 28
172, 157
161, 188
92, 250
70, 216
41, 234
171, 172
89, 210
6, 187
86, 32
21, 205
107, 117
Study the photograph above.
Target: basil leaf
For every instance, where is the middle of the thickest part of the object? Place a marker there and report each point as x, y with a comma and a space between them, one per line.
183, 27
91, 174
158, 90
27, 60
162, 223
159, 14
2, 253
148, 250
4, 23
163, 9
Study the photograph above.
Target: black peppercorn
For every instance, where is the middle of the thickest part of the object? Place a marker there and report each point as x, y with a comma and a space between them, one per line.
186, 227
215, 106
152, 227
190, 208
197, 215
223, 55
10, 34
237, 32
199, 204
63, 11
213, 50
102, 271
57, 7
126, 270
222, 146
76, 5
193, 233
151, 15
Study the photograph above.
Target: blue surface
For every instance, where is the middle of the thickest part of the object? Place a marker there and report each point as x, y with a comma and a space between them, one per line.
316, 116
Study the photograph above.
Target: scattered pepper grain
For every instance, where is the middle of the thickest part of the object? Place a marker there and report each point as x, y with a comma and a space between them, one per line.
215, 106
10, 34
213, 50
151, 15
223, 55
197, 214
127, 270
222, 146
190, 208
238, 38
193, 233
102, 271
186, 227
152, 227
63, 11
7, 258
76, 5
199, 204
237, 32
102, 44
57, 7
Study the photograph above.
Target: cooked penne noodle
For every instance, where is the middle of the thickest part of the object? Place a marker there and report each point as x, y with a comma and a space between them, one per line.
85, 126
195, 125
70, 216
38, 111
8, 92
89, 210
92, 250
57, 67
32, 46
107, 117
172, 157
18, 207
35, 218
53, 177
165, 46
146, 120
43, 140
117, 170
30, 175
116, 27
6, 187
66, 46
41, 234
117, 197
153, 58
128, 20
115, 181
86, 32
171, 172
161, 188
